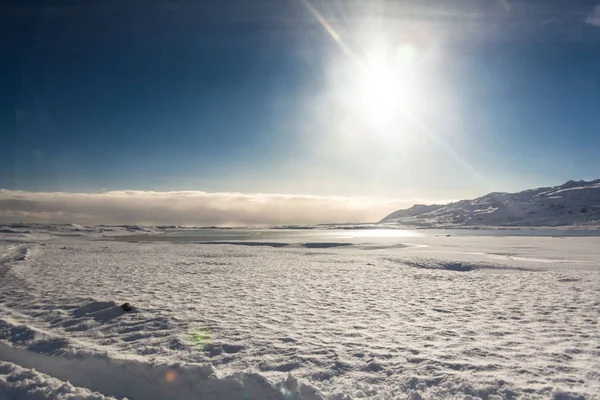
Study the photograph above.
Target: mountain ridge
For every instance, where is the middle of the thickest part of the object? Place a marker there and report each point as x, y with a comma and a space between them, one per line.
572, 203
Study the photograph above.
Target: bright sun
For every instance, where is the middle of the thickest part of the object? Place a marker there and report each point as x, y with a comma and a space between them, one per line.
385, 89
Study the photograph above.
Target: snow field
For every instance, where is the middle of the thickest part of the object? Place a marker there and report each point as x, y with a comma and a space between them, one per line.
487, 317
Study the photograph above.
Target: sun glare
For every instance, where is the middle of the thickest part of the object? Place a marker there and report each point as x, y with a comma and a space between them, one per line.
385, 89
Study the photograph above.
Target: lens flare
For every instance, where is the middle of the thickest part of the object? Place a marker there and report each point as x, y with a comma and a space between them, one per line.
406, 54
201, 338
171, 376
331, 31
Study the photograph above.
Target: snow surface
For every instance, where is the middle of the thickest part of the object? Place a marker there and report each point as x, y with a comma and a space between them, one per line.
573, 203
417, 317
22, 383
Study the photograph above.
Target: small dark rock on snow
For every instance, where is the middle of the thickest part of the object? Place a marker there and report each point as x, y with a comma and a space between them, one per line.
126, 307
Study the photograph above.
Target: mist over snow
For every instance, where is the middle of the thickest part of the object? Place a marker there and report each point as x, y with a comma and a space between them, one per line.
190, 208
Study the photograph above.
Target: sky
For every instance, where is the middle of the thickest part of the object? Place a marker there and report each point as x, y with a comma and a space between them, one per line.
319, 111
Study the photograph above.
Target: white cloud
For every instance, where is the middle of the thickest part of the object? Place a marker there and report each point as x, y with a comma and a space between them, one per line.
594, 17
190, 208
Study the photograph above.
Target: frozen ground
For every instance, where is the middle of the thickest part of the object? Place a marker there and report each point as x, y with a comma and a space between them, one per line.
396, 318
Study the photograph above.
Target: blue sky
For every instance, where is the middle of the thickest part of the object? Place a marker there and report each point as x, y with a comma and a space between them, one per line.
259, 97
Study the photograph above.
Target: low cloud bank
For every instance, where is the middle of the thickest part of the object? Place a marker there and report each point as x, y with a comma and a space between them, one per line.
190, 208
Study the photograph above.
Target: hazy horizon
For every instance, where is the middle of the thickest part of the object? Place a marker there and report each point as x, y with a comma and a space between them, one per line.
196, 208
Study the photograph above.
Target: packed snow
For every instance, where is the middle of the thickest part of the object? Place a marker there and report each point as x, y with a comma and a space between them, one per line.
338, 317
573, 203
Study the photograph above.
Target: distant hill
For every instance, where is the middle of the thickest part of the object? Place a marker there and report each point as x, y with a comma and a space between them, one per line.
573, 203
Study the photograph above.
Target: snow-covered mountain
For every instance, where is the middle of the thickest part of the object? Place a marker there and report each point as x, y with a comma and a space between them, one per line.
573, 203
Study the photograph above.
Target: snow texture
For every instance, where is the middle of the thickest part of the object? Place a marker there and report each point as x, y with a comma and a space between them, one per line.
460, 317
573, 203
23, 383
